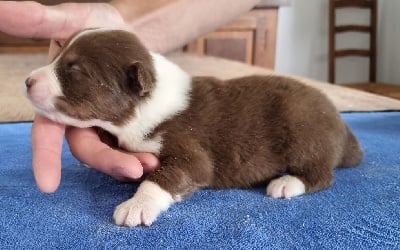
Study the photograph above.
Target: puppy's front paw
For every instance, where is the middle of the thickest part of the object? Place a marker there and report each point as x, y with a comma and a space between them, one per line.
148, 202
134, 212
286, 187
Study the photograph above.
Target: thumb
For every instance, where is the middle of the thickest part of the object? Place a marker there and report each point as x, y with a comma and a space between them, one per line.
29, 19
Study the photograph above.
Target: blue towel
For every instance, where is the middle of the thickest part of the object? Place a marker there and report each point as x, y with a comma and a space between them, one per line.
360, 211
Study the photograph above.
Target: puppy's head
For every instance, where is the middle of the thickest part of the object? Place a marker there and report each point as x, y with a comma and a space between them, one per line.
100, 75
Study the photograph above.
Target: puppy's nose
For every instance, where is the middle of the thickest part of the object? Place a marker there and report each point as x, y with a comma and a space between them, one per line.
29, 82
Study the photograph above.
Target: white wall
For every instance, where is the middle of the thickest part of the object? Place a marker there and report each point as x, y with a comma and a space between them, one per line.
389, 41
302, 42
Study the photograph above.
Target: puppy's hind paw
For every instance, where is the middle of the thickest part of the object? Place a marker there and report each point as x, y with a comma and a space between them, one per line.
286, 187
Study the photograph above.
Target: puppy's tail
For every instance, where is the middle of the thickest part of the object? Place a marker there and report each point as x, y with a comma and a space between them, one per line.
353, 154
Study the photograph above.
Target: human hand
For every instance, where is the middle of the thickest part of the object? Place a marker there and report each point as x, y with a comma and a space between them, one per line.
33, 20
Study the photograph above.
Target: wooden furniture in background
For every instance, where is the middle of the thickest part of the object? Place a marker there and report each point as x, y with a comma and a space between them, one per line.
12, 44
251, 38
370, 53
334, 29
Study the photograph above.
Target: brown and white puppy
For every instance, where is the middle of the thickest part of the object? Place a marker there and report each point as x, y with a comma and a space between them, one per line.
206, 132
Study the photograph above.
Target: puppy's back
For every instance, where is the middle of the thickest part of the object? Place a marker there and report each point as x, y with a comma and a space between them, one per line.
256, 128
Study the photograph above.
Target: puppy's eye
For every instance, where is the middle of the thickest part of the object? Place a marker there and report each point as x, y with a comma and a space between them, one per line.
74, 67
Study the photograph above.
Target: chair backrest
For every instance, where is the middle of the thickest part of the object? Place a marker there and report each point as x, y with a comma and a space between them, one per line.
334, 29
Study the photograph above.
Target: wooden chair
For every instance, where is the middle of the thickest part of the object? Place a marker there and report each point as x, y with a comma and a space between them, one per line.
335, 29
370, 53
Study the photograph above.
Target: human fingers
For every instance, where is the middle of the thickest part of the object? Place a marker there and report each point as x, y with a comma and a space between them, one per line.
34, 20
149, 161
29, 19
47, 139
85, 144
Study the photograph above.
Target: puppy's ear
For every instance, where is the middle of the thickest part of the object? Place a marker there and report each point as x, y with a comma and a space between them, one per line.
140, 78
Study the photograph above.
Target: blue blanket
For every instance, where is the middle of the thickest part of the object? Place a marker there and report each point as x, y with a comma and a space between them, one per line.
361, 210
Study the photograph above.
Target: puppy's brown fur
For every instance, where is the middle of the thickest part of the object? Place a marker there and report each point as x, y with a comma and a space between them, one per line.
249, 130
